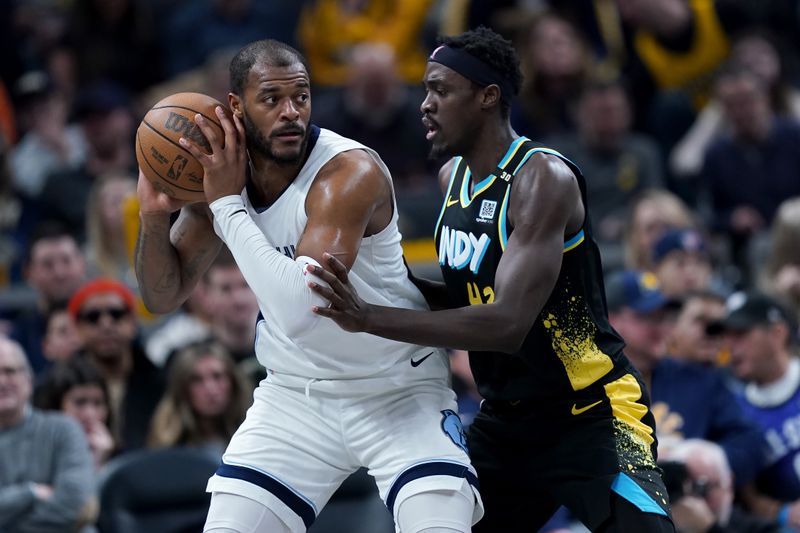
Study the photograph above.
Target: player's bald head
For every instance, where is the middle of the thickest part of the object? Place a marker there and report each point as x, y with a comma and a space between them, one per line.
11, 352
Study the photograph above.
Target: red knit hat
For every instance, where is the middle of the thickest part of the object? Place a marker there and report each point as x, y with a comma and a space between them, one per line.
100, 286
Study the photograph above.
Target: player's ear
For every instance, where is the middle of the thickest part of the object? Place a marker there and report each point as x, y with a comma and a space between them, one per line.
490, 96
235, 103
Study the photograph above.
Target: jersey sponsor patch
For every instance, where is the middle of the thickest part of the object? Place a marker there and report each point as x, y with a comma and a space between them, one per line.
486, 213
452, 427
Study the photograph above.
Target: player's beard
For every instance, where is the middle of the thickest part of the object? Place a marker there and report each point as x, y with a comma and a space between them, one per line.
259, 143
438, 150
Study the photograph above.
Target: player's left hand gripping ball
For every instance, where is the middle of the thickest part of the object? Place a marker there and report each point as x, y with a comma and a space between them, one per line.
226, 166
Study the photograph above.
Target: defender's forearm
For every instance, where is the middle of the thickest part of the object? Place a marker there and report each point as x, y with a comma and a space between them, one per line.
477, 327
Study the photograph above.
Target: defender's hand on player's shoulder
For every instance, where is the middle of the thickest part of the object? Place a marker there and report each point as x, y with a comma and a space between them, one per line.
346, 308
154, 202
226, 166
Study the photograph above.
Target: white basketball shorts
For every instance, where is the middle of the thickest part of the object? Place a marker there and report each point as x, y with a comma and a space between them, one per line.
302, 438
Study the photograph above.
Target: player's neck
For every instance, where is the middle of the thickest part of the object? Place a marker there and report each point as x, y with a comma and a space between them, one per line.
271, 178
490, 145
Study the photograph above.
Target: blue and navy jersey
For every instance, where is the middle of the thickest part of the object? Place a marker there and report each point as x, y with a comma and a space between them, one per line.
571, 345
692, 401
781, 426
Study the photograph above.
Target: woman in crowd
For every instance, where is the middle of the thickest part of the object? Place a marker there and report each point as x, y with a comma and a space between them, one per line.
75, 387
205, 400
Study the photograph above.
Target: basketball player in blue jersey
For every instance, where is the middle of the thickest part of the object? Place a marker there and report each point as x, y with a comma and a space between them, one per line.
280, 191
566, 418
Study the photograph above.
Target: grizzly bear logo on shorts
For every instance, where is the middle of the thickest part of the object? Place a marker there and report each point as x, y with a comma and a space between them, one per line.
451, 425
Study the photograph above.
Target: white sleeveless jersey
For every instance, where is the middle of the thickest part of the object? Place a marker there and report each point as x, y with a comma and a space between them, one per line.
326, 352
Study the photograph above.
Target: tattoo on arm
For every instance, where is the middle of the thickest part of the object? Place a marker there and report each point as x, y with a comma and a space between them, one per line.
191, 269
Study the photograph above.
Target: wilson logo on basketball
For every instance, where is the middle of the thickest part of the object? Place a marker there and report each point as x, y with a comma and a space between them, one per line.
177, 167
187, 128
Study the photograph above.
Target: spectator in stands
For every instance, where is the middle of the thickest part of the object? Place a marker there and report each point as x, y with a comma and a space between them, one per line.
61, 340
620, 163
780, 276
688, 339
189, 324
555, 62
29, 31
757, 52
329, 31
105, 312
750, 172
233, 309
54, 267
107, 249
103, 110
706, 500
76, 388
667, 49
115, 41
46, 474
16, 221
226, 24
688, 400
651, 213
49, 144
211, 78
761, 335
8, 126
376, 108
682, 262
205, 400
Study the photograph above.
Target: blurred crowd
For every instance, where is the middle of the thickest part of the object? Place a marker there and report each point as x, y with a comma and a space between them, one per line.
683, 115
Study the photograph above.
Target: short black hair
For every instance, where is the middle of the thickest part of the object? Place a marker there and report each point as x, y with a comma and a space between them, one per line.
64, 376
492, 49
269, 51
46, 230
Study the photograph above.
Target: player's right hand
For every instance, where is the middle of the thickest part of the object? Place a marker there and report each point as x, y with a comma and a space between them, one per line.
152, 201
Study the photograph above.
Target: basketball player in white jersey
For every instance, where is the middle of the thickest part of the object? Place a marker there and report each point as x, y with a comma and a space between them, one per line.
332, 401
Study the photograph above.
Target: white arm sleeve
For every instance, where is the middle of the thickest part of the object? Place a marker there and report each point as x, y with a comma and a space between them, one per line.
280, 284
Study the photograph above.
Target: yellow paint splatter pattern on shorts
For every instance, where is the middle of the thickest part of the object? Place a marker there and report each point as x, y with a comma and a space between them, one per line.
572, 334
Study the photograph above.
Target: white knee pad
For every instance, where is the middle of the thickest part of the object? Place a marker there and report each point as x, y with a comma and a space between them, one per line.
437, 511
232, 513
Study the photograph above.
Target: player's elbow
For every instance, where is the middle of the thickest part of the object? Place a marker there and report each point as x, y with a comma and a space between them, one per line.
509, 332
159, 305
512, 339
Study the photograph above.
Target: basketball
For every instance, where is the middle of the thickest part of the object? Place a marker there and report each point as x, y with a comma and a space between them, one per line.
170, 167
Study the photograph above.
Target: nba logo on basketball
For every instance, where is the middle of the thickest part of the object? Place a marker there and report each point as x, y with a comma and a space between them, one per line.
176, 168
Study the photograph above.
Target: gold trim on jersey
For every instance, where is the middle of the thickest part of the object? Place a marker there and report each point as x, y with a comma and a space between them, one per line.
466, 198
575, 241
